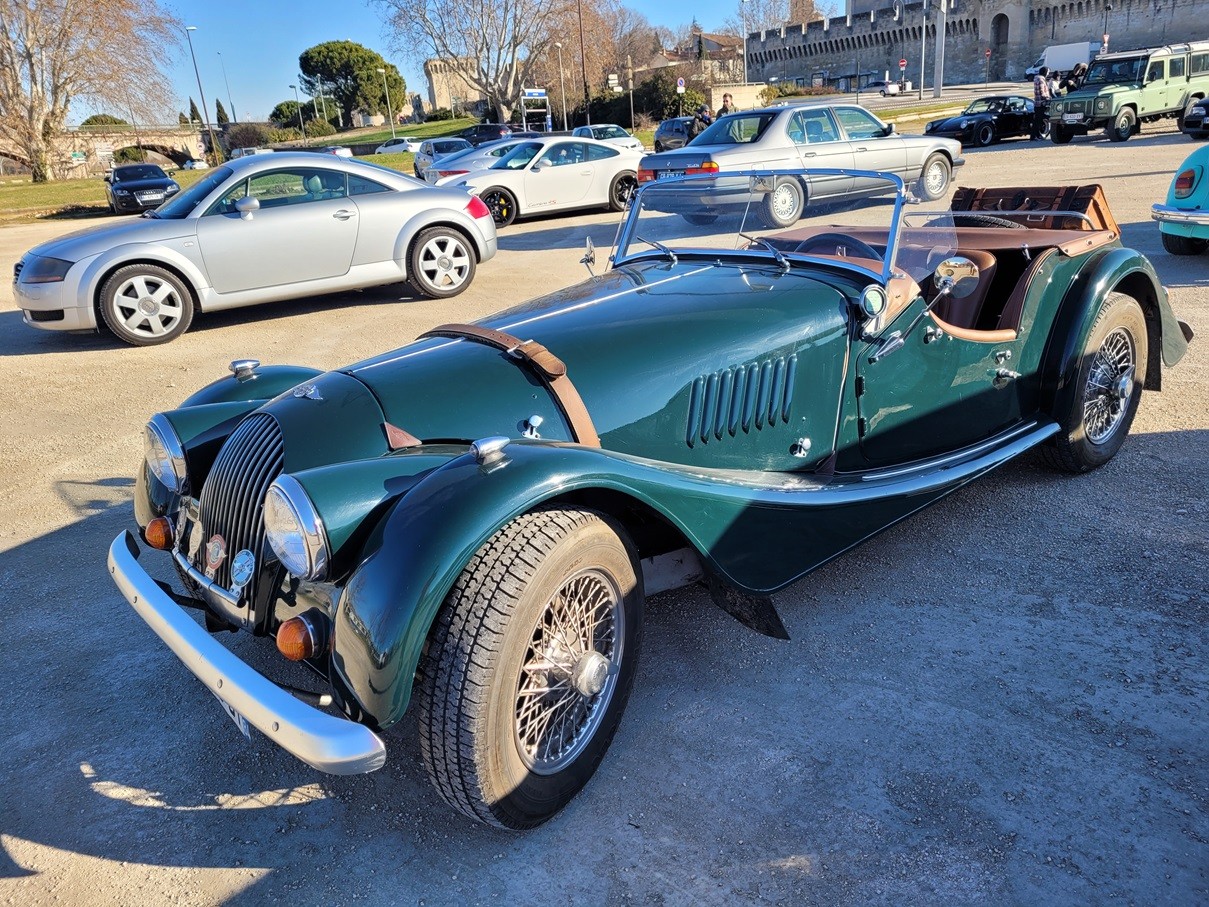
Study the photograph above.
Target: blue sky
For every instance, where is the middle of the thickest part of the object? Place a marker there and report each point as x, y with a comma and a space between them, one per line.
260, 41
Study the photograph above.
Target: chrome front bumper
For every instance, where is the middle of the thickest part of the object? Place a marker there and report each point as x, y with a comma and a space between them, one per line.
1168, 215
334, 745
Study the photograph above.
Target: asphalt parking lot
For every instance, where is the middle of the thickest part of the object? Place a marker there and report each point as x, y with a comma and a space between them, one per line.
1003, 700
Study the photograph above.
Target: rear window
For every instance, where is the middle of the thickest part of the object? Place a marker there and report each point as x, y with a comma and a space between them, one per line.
736, 129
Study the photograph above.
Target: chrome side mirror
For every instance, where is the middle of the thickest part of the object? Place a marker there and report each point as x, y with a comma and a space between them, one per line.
957, 275
247, 206
589, 258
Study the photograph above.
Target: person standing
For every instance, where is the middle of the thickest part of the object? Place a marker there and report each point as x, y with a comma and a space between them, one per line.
1041, 96
699, 122
728, 105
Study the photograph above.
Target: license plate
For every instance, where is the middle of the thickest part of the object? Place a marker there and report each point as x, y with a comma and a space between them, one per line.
152, 197
667, 174
1072, 117
240, 721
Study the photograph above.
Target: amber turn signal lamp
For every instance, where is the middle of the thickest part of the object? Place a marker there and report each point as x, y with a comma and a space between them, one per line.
296, 639
159, 533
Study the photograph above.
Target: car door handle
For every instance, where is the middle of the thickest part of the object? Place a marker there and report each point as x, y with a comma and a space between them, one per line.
862, 148
343, 214
809, 154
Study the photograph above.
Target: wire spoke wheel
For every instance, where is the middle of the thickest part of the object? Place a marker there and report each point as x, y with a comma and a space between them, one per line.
569, 672
1109, 386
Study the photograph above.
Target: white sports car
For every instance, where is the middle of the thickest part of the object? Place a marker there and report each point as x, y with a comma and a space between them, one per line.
554, 174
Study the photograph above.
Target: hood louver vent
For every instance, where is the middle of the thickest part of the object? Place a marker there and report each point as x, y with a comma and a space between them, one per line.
742, 399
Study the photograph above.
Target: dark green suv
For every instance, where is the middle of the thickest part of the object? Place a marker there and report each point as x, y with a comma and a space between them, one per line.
1123, 90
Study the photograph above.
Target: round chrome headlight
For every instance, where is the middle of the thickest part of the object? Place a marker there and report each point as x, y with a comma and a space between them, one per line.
164, 454
294, 530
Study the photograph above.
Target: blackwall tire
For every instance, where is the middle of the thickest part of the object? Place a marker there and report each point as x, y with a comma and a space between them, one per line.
782, 207
984, 135
1184, 245
1123, 125
441, 263
529, 666
1107, 389
145, 305
502, 205
620, 190
935, 177
1060, 135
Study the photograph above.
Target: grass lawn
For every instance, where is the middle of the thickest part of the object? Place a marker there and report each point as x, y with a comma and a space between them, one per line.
435, 129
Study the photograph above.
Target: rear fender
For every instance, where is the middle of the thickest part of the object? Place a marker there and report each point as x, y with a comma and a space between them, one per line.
1117, 270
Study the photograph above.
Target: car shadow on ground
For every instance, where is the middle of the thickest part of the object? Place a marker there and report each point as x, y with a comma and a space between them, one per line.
565, 236
872, 726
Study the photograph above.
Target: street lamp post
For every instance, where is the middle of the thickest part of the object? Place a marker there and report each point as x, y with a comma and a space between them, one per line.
214, 149
923, 46
1107, 10
743, 16
389, 111
562, 85
583, 62
298, 104
234, 117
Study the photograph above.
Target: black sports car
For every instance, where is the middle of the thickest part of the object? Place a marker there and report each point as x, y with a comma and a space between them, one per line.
138, 187
988, 120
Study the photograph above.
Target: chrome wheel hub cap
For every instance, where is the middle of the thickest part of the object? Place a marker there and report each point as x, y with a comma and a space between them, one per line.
147, 305
444, 262
782, 202
569, 672
1110, 386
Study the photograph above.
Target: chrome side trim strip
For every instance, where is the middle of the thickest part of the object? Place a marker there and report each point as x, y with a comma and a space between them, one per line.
334, 745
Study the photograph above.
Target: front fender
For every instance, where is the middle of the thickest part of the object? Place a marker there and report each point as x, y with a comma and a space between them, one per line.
130, 253
263, 385
1121, 270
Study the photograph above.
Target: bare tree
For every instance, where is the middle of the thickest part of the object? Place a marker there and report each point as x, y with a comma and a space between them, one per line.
761, 15
54, 52
496, 42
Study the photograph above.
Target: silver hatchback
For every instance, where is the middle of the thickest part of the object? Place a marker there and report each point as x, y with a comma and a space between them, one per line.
810, 136
261, 229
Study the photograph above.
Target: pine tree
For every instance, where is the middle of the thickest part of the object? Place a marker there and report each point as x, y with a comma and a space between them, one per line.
194, 114
220, 114
182, 119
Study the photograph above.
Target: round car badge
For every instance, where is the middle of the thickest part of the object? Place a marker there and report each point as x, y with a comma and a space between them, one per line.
243, 565
216, 550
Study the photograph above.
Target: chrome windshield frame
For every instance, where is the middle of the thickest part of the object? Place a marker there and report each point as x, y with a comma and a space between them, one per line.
628, 230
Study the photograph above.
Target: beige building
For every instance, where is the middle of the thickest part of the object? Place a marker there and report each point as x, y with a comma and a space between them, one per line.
448, 87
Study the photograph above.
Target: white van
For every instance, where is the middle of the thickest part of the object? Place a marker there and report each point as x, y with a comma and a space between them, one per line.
246, 152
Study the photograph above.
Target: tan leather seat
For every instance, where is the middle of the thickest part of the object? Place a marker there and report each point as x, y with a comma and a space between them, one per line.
963, 313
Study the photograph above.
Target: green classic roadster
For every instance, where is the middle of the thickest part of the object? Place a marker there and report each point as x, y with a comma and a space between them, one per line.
475, 520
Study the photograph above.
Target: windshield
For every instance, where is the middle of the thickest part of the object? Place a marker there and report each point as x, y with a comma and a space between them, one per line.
985, 105
181, 205
709, 214
609, 132
1112, 72
141, 172
519, 157
736, 129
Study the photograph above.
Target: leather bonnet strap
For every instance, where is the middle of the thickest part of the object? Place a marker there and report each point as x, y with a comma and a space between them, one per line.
547, 366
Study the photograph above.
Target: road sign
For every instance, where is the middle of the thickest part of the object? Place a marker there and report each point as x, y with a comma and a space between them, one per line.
902, 64
535, 92
987, 52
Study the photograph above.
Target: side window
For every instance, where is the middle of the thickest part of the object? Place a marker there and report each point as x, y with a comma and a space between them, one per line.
567, 153
812, 127
359, 185
226, 204
1200, 64
1156, 71
859, 124
598, 153
280, 188
1176, 69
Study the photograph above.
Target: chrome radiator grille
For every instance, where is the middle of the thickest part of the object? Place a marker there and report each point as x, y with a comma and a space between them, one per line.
232, 500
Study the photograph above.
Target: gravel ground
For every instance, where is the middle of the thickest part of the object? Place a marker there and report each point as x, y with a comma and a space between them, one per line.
1002, 700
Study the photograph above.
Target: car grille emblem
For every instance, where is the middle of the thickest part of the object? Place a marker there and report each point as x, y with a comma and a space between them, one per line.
243, 565
216, 550
307, 390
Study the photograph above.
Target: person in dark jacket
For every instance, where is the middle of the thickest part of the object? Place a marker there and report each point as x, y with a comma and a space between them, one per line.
700, 121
